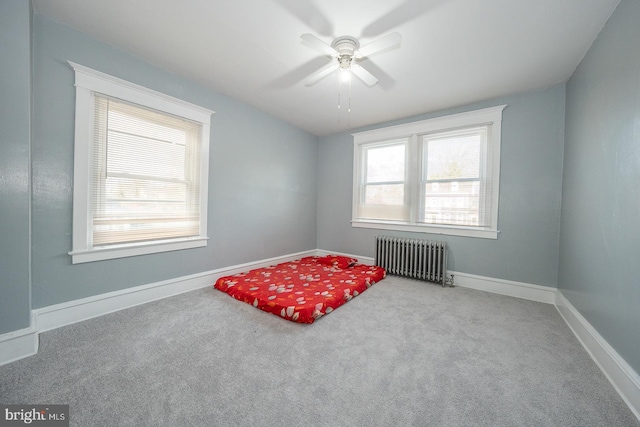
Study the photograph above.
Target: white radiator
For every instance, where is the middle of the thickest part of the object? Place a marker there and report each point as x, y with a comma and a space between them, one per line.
416, 259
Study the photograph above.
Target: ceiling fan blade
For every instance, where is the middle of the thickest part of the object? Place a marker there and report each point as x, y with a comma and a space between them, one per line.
298, 75
409, 10
309, 15
386, 42
385, 81
317, 44
363, 75
322, 73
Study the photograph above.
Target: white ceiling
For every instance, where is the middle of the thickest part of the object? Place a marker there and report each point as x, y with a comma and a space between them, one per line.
453, 52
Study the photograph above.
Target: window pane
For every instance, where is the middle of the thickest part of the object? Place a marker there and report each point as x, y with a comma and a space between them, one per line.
386, 163
137, 155
122, 190
453, 157
452, 203
384, 194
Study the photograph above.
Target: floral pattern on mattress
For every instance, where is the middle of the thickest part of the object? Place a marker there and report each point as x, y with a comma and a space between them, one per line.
303, 290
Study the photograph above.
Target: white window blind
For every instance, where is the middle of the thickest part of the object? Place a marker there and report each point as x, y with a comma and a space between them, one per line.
145, 183
141, 168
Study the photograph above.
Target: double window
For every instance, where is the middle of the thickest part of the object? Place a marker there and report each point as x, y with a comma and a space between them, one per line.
141, 170
433, 176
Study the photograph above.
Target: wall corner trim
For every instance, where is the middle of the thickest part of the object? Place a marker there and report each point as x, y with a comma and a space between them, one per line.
624, 379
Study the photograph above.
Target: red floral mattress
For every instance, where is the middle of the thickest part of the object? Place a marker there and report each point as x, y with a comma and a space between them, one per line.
303, 290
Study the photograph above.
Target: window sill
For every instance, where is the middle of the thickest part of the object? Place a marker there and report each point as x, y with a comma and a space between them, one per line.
122, 251
430, 229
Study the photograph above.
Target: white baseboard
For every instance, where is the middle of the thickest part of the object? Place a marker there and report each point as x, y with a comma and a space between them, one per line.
19, 344
22, 343
623, 377
66, 313
16, 345
58, 315
510, 288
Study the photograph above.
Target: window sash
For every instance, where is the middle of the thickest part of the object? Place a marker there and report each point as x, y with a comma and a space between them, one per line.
379, 208
132, 207
444, 203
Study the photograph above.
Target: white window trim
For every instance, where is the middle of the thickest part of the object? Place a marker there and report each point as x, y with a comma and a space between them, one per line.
88, 81
491, 116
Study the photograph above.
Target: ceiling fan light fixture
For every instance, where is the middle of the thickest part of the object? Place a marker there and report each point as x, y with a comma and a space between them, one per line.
345, 75
345, 62
346, 54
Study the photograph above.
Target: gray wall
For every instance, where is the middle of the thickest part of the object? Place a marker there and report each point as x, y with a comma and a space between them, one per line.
15, 106
530, 195
600, 234
262, 186
265, 176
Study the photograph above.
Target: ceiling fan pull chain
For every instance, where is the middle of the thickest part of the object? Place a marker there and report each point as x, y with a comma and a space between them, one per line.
349, 96
339, 93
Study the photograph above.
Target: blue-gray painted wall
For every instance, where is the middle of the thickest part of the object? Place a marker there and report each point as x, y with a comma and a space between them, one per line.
15, 106
530, 195
274, 190
262, 184
600, 234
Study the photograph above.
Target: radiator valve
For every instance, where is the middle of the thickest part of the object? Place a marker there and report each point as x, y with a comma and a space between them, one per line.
449, 281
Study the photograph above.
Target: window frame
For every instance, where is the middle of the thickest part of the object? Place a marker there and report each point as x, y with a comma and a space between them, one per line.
88, 82
490, 117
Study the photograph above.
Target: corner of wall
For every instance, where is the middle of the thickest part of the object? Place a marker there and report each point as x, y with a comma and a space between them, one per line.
624, 379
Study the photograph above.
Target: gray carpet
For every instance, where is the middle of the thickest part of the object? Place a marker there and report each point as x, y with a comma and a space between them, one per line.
403, 353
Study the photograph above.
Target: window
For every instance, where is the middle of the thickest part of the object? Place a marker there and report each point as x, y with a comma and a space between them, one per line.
451, 161
434, 176
384, 180
140, 172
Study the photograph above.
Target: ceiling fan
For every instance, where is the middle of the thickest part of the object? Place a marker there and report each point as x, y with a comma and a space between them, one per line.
346, 55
